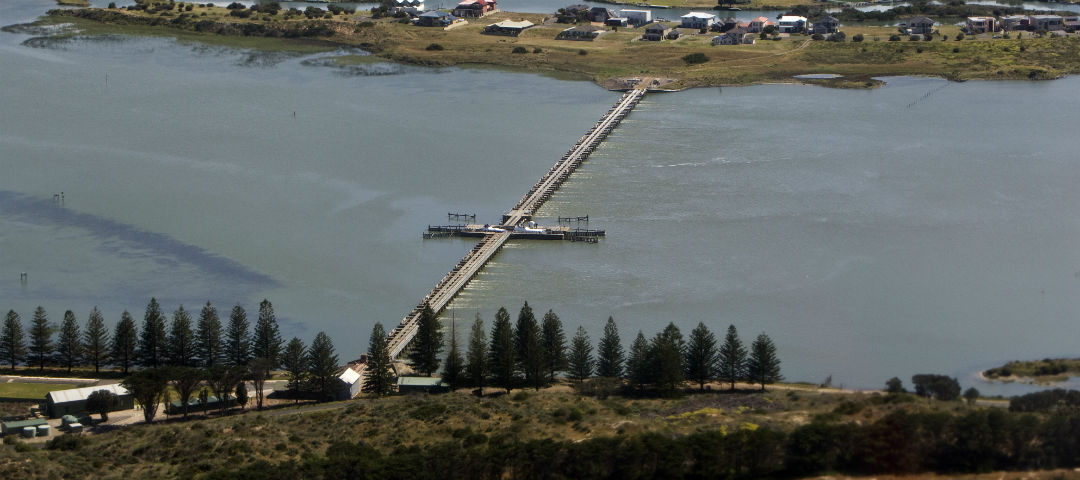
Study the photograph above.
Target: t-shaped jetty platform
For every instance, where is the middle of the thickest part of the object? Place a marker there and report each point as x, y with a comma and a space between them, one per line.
516, 223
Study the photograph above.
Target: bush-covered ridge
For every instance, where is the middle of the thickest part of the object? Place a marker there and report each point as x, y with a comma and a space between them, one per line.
559, 434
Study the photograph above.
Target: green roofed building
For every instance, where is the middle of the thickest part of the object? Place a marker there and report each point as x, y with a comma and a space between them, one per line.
421, 385
73, 402
16, 426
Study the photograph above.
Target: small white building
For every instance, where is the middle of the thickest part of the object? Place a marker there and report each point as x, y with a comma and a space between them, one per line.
791, 24
351, 381
698, 20
636, 18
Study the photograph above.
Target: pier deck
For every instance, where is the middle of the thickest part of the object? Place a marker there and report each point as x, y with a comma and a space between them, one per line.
451, 284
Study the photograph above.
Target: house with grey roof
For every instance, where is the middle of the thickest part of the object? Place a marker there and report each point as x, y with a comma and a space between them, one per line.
918, 25
826, 25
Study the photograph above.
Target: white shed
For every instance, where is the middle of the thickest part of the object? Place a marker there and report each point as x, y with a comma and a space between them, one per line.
636, 18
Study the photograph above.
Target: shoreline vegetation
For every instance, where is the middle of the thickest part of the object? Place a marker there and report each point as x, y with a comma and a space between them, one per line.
1047, 371
565, 432
611, 60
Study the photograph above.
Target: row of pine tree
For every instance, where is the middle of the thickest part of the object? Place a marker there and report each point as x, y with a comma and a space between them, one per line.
531, 354
204, 342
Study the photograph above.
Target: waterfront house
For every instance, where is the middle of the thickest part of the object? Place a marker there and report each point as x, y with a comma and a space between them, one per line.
474, 8
599, 14
412, 7
435, 18
725, 25
791, 24
918, 25
826, 25
1071, 22
507, 27
636, 18
656, 32
731, 37
757, 25
581, 32
1014, 22
697, 20
617, 22
572, 14
980, 25
1047, 22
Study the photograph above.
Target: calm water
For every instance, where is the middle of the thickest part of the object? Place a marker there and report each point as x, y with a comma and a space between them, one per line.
920, 227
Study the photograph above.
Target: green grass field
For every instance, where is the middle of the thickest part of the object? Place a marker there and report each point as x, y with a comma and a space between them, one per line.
30, 391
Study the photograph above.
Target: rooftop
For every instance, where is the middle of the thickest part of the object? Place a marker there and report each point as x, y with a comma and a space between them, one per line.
80, 394
419, 381
349, 375
512, 24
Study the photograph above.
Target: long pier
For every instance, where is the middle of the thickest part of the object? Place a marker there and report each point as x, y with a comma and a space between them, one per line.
446, 289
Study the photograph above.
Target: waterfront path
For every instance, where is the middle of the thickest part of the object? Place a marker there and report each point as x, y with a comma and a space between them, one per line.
452, 284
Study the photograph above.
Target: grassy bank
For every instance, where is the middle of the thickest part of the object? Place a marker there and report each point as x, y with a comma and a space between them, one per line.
1047, 370
615, 55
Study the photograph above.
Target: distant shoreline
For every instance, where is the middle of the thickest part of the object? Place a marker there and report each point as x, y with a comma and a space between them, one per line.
1045, 372
618, 56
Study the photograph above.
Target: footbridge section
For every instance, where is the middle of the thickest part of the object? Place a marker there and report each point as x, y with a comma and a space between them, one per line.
454, 282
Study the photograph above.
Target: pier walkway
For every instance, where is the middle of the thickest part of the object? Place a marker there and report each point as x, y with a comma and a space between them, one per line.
452, 284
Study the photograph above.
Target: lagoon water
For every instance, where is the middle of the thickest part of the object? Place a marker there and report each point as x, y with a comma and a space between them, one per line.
919, 227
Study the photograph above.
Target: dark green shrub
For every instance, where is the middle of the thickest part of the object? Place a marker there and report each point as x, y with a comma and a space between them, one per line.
434, 46
695, 58
475, 439
66, 442
520, 50
848, 408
